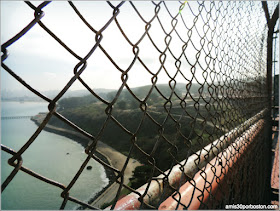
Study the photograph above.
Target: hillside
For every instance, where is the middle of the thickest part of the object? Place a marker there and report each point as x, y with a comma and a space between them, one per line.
159, 94
155, 129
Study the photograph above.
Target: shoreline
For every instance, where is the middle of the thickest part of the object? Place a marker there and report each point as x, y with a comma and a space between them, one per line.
104, 152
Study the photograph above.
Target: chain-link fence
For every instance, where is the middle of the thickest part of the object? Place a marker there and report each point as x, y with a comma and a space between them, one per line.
198, 129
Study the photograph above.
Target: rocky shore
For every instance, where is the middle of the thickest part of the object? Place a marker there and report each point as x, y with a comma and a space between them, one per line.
103, 152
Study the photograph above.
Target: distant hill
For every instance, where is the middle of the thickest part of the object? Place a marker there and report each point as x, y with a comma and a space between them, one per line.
180, 88
140, 92
26, 95
107, 94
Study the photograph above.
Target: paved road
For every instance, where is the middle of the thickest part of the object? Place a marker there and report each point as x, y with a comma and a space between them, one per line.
117, 160
197, 119
107, 196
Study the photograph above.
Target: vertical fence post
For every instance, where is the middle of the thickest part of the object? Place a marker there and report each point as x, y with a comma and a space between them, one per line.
271, 22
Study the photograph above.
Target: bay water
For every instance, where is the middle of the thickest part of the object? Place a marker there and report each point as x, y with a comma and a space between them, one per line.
53, 156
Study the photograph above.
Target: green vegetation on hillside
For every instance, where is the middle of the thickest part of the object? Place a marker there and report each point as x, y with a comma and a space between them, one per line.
165, 132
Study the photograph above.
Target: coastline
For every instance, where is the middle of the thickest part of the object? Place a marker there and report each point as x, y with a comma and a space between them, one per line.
105, 153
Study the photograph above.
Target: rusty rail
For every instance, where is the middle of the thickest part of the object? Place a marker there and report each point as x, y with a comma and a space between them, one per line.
189, 193
188, 167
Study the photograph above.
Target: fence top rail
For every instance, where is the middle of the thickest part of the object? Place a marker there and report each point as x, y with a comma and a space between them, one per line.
223, 162
188, 167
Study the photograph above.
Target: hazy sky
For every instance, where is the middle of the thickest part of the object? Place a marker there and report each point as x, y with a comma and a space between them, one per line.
46, 65
43, 63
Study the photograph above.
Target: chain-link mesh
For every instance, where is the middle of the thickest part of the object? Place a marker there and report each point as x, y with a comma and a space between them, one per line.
206, 89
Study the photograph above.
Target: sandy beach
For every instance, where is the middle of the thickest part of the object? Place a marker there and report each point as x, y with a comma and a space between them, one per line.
117, 160
114, 158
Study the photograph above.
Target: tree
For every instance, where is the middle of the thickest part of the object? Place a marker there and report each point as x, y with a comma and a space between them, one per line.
134, 104
141, 174
121, 104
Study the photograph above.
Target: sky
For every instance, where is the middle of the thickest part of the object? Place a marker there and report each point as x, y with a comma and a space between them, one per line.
46, 65
43, 63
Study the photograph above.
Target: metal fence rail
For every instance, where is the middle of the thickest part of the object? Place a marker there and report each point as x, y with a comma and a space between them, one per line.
193, 164
208, 142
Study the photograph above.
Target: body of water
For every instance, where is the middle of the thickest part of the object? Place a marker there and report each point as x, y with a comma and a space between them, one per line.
53, 156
